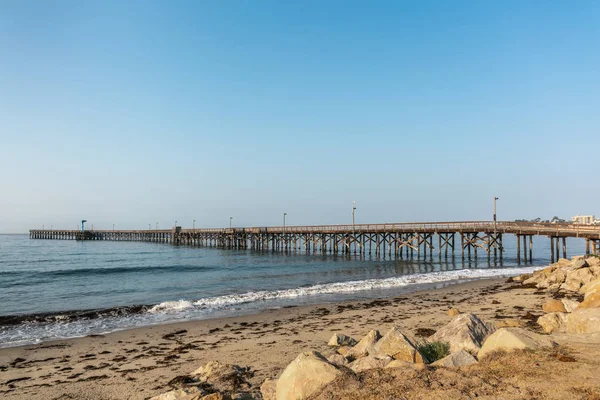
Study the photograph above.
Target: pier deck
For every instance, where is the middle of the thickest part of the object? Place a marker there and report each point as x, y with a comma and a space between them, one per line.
398, 239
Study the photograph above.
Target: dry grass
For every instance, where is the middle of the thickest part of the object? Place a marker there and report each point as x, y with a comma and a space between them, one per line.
547, 374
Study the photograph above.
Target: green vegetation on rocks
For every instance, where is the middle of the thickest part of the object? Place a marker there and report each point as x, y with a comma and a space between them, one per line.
434, 351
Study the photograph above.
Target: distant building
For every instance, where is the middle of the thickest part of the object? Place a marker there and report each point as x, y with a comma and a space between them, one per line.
584, 219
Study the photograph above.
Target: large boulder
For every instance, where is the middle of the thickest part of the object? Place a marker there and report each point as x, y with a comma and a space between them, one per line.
553, 280
553, 322
304, 376
460, 358
577, 263
269, 389
584, 321
465, 331
590, 287
553, 306
396, 345
365, 346
339, 339
577, 278
370, 362
512, 339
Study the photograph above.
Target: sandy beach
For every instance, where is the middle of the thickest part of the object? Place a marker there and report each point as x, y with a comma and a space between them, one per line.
139, 363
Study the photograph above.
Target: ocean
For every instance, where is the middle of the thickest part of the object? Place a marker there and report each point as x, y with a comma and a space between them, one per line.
54, 289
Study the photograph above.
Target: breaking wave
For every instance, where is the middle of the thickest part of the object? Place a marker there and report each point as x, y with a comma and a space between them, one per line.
340, 287
21, 330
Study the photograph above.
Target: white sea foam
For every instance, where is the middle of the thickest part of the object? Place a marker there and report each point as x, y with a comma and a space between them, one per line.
169, 306
220, 302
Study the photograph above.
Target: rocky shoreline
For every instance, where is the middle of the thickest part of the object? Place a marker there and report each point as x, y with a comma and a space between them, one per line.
574, 308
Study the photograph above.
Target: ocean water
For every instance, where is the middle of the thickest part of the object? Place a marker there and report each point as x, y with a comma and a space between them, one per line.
51, 289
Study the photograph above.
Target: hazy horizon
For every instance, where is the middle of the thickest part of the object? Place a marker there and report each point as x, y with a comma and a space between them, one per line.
143, 112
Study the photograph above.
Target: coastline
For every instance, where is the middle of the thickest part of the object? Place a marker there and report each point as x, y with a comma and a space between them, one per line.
25, 329
141, 361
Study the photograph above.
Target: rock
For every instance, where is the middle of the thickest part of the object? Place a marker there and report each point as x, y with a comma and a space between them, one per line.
522, 277
223, 377
533, 280
365, 346
577, 278
562, 262
191, 393
591, 298
512, 339
211, 370
460, 358
396, 345
578, 263
592, 301
553, 322
304, 376
593, 262
590, 287
584, 321
339, 339
553, 306
453, 312
465, 331
370, 362
552, 281
338, 359
269, 389
570, 305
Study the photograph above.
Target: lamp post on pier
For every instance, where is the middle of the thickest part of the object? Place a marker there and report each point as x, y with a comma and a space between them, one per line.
175, 224
149, 226
157, 226
284, 238
230, 222
113, 227
353, 209
495, 219
194, 224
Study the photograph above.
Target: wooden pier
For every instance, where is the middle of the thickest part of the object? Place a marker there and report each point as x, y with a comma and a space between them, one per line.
402, 240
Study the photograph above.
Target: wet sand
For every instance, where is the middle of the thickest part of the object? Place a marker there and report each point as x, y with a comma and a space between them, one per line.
139, 363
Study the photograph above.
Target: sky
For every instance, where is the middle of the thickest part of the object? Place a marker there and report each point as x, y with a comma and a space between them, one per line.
143, 112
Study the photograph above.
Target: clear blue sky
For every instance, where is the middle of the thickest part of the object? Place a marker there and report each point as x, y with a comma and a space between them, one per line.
154, 111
